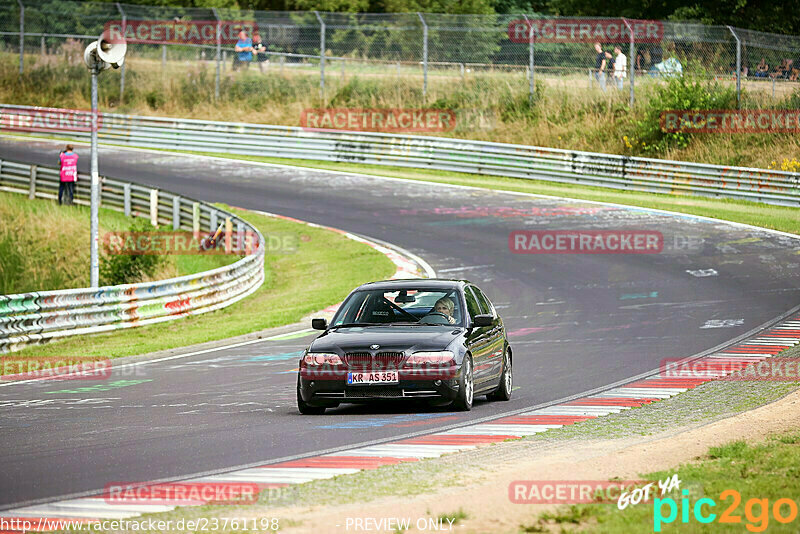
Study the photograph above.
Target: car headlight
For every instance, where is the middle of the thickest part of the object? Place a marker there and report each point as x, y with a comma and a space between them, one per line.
441, 357
321, 358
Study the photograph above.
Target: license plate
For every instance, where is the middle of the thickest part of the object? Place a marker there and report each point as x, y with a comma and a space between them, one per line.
383, 377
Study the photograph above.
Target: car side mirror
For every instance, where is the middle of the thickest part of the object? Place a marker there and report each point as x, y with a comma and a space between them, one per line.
319, 324
483, 320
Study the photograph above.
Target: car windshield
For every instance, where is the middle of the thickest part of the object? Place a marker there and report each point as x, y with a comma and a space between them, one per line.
410, 305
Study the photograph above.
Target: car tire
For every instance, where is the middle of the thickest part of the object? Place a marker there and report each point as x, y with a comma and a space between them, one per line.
304, 407
503, 391
466, 387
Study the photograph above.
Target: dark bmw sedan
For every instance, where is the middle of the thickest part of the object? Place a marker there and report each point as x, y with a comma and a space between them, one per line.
431, 339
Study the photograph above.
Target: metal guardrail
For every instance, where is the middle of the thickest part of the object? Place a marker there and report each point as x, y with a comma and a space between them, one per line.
39, 317
478, 157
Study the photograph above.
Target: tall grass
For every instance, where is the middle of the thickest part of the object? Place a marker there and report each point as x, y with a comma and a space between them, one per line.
565, 111
45, 246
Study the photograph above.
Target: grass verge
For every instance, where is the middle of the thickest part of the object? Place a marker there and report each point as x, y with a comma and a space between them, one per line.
322, 271
759, 474
44, 246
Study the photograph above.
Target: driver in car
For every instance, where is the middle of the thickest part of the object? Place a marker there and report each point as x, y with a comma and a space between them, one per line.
445, 306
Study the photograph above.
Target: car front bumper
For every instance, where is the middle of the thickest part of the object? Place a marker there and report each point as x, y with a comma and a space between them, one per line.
320, 391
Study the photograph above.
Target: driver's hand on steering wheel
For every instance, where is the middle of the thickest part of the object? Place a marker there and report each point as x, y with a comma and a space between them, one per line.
444, 310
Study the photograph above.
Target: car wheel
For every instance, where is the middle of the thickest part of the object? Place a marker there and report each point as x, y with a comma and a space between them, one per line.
466, 387
503, 391
304, 407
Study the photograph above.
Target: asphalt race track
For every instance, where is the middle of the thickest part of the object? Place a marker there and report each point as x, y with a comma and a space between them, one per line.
575, 321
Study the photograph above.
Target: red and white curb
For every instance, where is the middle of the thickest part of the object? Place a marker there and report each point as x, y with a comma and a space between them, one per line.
764, 345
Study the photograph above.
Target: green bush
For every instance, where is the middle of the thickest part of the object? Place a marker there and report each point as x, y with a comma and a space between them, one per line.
155, 99
128, 268
678, 93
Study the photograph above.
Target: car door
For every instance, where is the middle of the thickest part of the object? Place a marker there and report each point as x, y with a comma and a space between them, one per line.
478, 342
496, 334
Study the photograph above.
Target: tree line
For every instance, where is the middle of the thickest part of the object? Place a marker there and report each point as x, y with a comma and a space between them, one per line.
775, 16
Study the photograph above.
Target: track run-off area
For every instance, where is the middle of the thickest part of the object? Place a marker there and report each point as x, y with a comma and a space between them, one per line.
576, 322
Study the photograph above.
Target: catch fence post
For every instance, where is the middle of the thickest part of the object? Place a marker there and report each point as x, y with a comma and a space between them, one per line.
424, 54
21, 36
321, 55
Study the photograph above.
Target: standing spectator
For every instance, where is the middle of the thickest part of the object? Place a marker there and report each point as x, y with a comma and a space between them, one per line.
641, 60
609, 62
244, 50
762, 70
600, 66
260, 49
620, 67
68, 161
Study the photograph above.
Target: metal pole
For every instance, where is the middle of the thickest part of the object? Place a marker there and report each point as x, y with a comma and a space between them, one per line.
631, 62
424, 54
163, 57
122, 69
219, 45
21, 37
531, 63
321, 55
738, 68
95, 200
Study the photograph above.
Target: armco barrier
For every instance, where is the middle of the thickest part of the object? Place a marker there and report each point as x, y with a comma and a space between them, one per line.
42, 316
498, 159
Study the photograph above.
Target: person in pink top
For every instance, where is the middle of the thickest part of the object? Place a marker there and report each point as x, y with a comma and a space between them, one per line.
68, 161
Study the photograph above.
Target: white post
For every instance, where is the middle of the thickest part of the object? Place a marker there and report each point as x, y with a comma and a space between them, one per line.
126, 199
213, 221
32, 184
95, 199
321, 55
738, 68
219, 45
176, 213
631, 62
531, 63
196, 220
154, 207
424, 54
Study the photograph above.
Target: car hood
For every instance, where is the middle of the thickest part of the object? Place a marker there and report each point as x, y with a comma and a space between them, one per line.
390, 338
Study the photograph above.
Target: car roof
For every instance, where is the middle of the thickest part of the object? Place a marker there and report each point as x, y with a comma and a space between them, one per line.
427, 283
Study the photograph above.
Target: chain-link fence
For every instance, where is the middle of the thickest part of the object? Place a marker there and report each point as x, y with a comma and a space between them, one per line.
420, 48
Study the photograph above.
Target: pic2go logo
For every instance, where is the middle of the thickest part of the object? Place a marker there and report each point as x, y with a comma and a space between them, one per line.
756, 511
